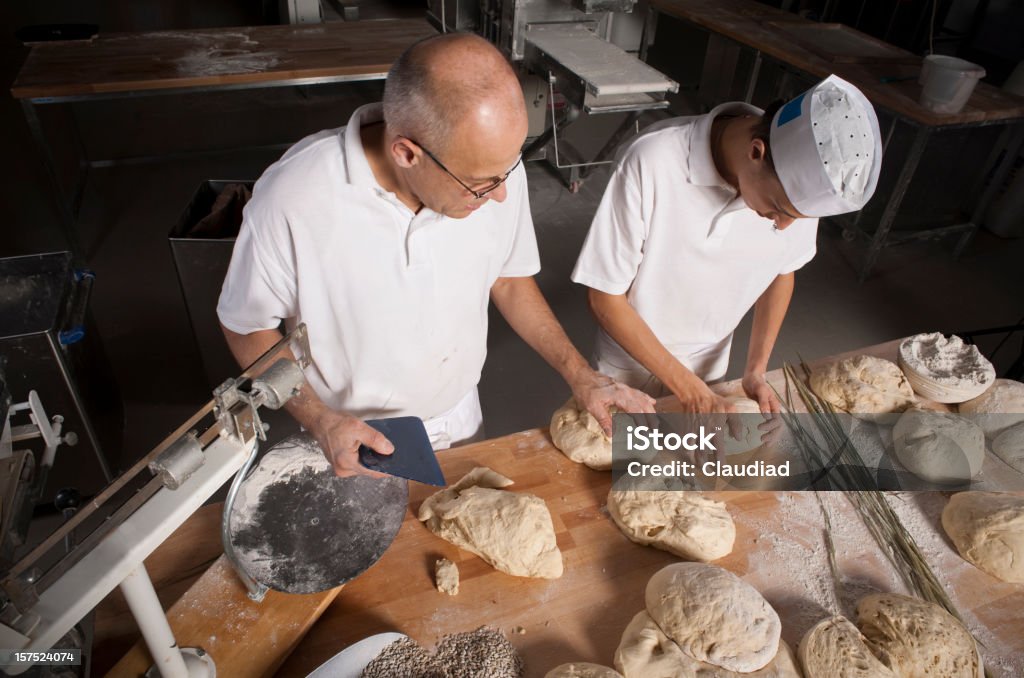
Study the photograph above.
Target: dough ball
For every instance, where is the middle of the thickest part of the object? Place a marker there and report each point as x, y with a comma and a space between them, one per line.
835, 648
714, 616
749, 438
578, 435
863, 385
998, 408
446, 577
1009, 446
687, 524
988, 530
510, 530
646, 652
945, 370
939, 447
582, 670
917, 638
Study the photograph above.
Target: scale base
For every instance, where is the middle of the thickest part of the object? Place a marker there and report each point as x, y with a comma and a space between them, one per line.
199, 663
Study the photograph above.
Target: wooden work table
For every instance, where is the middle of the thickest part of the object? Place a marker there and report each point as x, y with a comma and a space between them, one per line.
762, 28
887, 75
191, 61
218, 57
581, 616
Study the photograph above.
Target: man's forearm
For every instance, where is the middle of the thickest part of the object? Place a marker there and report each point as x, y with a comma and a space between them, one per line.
521, 303
769, 312
623, 324
306, 407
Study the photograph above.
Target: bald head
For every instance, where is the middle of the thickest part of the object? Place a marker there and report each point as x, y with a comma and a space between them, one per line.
446, 89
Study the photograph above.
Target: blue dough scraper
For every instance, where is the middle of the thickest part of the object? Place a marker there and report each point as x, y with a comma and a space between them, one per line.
413, 457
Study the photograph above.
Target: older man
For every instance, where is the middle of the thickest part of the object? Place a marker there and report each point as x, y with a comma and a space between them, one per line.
387, 237
709, 215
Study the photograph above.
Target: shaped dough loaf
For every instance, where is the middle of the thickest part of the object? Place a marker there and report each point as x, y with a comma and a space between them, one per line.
578, 435
582, 670
998, 408
988, 530
917, 638
714, 616
684, 523
1009, 446
863, 385
938, 446
835, 648
512, 531
646, 652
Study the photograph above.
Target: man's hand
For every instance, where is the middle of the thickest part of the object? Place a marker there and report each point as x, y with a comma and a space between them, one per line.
596, 393
756, 387
695, 396
340, 436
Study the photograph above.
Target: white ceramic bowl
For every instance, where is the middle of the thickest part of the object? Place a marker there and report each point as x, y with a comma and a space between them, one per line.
350, 662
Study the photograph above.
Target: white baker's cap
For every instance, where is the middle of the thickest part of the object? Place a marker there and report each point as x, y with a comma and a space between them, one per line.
827, 149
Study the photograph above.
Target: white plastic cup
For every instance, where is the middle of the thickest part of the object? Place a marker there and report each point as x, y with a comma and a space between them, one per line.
947, 82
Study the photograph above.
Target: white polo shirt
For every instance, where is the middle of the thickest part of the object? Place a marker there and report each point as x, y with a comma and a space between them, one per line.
691, 257
395, 302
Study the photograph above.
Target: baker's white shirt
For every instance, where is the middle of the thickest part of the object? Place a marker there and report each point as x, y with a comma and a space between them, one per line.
395, 302
691, 257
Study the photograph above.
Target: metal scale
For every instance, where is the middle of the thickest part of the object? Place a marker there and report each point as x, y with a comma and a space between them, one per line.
103, 546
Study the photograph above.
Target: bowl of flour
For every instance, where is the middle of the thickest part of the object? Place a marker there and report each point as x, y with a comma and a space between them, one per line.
945, 370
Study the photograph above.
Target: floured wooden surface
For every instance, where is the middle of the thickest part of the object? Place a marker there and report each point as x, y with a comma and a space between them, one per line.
245, 638
780, 549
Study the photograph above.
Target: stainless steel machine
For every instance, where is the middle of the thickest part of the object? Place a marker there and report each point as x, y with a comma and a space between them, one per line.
584, 64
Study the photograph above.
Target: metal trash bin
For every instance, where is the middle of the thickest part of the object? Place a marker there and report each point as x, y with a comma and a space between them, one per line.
50, 345
201, 260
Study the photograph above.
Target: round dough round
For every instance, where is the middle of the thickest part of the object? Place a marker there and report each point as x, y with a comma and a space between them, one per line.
582, 670
998, 408
863, 385
939, 447
835, 648
1009, 446
988, 530
685, 523
578, 435
646, 652
917, 638
714, 616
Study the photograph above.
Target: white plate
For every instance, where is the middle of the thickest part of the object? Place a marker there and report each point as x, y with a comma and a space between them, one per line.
351, 661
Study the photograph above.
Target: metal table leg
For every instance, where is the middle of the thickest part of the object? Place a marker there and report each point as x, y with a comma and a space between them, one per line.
647, 36
67, 218
1009, 144
892, 208
754, 72
82, 180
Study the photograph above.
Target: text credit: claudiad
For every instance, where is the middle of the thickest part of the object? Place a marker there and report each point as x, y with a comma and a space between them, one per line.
648, 439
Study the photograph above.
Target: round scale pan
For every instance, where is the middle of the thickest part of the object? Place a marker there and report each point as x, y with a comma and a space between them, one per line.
298, 528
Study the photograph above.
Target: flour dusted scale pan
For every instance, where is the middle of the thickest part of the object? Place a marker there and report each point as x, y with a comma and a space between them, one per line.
294, 526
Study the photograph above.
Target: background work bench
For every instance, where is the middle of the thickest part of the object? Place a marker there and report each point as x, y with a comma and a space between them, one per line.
780, 550
177, 62
886, 74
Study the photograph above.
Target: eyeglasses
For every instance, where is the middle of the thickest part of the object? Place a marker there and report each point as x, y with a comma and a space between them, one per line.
476, 192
